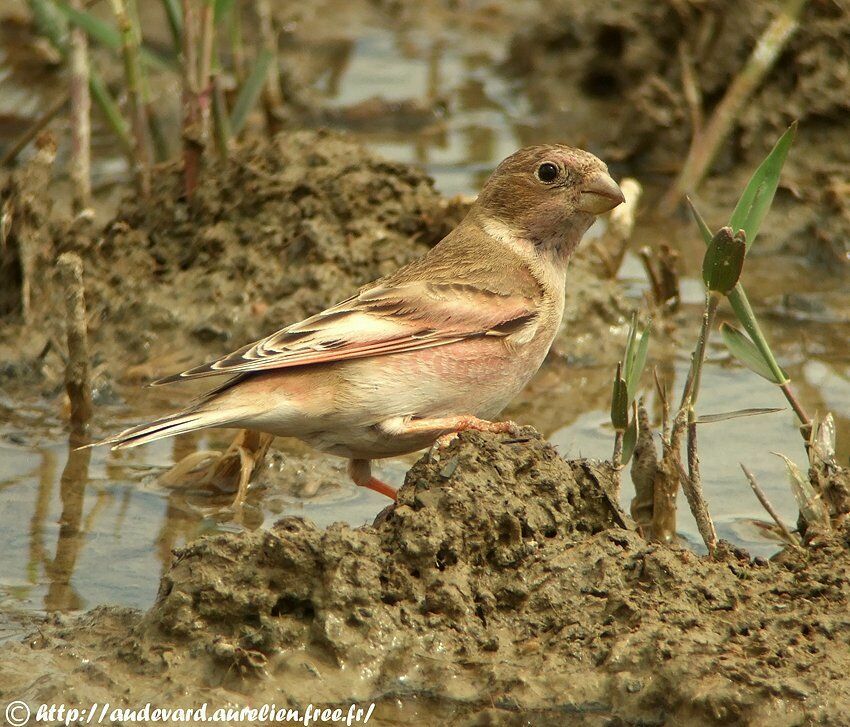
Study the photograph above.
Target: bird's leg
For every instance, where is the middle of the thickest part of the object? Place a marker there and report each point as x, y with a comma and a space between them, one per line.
360, 471
445, 429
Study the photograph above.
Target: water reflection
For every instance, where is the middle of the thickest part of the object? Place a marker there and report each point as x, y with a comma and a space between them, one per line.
61, 595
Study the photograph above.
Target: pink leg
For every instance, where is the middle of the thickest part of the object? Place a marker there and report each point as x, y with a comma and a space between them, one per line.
445, 429
360, 471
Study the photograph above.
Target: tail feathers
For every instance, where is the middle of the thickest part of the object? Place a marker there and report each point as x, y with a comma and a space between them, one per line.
180, 423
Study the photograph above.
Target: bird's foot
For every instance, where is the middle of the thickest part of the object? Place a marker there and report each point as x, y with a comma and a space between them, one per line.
470, 423
228, 471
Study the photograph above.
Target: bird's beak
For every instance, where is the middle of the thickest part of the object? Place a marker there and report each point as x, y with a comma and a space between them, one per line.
599, 194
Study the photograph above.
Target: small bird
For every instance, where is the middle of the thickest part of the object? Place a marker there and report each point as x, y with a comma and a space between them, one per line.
440, 346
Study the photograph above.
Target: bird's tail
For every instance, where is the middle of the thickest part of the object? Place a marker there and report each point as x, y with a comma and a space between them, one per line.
179, 423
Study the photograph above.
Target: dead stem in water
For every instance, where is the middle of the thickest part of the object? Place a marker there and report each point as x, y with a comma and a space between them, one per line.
768, 506
662, 270
78, 370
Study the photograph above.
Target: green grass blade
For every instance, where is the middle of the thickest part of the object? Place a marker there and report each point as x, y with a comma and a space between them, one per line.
97, 29
174, 14
48, 22
704, 229
743, 311
108, 35
758, 194
250, 91
630, 344
221, 9
737, 414
101, 96
638, 363
743, 349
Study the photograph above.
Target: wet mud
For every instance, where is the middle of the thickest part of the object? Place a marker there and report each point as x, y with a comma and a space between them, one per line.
656, 70
506, 586
502, 571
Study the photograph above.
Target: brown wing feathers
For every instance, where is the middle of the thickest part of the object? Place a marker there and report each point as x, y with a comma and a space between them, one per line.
380, 320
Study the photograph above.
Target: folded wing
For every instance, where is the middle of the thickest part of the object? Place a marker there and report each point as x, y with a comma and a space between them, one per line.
379, 321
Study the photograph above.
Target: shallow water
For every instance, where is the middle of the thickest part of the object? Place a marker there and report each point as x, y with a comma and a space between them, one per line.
82, 528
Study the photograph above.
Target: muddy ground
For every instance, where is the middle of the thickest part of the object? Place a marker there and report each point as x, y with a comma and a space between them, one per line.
504, 588
655, 70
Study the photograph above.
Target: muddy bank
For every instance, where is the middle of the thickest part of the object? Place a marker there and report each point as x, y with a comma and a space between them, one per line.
634, 57
503, 571
655, 71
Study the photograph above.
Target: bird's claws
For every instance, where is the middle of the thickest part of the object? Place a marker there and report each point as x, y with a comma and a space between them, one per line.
441, 443
444, 440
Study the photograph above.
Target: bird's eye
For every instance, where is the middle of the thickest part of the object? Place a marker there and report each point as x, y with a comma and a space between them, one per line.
547, 172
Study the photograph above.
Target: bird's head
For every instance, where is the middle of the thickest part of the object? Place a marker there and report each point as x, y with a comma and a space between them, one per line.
548, 195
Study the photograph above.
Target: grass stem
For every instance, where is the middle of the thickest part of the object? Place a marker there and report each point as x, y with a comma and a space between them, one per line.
138, 118
80, 116
191, 112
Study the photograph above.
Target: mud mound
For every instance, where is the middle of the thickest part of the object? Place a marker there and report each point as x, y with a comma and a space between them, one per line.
277, 232
503, 571
443, 564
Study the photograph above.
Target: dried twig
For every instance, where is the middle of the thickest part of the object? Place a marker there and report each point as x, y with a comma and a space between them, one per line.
766, 504
612, 246
705, 145
17, 146
78, 371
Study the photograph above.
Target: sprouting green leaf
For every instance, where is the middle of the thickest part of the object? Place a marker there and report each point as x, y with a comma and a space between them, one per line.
250, 91
758, 194
743, 349
704, 229
637, 364
724, 260
630, 439
620, 401
737, 414
744, 312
